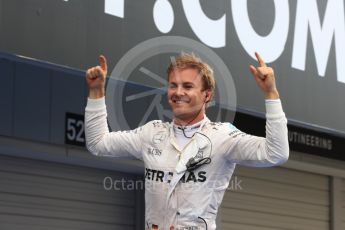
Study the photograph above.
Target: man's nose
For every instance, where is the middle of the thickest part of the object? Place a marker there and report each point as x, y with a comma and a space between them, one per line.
179, 90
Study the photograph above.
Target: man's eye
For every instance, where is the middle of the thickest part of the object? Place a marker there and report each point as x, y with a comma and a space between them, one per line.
188, 86
172, 86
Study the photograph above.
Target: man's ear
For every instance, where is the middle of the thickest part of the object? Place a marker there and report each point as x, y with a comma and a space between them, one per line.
207, 96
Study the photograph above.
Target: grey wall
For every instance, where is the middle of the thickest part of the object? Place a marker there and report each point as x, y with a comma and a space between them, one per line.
75, 32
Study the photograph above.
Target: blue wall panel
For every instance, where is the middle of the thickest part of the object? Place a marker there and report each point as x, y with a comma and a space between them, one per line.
6, 96
32, 102
68, 95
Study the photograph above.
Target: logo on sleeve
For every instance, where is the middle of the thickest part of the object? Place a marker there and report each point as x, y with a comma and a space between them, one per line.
236, 133
154, 151
159, 137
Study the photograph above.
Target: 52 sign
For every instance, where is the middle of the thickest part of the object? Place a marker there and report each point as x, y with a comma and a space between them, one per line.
74, 129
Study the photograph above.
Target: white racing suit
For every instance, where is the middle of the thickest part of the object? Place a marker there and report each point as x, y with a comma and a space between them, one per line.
174, 196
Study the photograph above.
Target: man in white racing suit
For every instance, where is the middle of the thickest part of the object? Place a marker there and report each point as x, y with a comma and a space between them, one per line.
189, 161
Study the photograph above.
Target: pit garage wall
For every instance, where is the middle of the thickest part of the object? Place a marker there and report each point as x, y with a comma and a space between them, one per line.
343, 203
277, 198
41, 195
308, 192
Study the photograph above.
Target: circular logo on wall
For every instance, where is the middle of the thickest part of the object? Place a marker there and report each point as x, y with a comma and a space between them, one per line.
137, 87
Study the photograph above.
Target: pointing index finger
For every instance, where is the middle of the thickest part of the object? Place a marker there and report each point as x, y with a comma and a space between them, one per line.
260, 60
103, 62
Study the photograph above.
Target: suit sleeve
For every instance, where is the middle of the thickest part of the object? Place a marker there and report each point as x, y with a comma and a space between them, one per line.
257, 151
101, 142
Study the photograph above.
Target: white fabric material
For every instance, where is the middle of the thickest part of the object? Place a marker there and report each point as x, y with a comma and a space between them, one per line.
179, 199
182, 138
191, 149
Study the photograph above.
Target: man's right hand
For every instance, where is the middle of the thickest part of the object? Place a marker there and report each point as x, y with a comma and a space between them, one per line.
95, 78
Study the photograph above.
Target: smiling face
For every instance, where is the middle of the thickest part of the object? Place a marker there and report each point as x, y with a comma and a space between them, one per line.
186, 96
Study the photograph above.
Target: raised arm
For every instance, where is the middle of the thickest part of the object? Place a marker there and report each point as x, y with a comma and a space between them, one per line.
272, 150
99, 141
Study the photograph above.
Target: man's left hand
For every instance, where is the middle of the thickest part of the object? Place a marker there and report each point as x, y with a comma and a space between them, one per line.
264, 77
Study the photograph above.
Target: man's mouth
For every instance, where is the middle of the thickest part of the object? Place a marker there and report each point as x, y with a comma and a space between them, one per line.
179, 101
